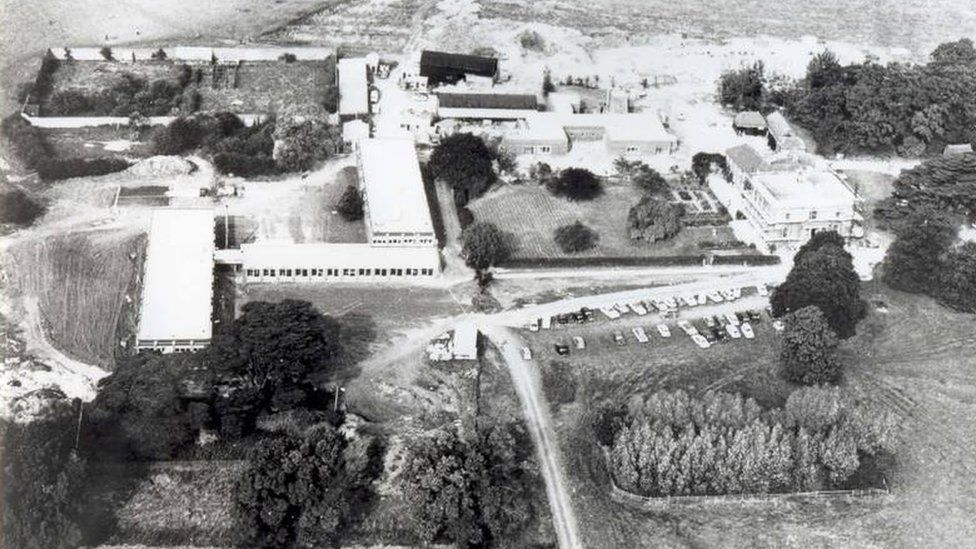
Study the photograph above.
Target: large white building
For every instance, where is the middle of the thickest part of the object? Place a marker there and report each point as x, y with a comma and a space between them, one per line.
779, 204
177, 291
625, 134
401, 244
352, 75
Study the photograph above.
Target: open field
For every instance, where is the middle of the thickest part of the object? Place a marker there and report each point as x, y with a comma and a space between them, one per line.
269, 86
533, 214
83, 284
356, 25
915, 360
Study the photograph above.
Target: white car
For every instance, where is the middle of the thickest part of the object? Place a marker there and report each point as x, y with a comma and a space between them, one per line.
778, 325
703, 298
621, 308
664, 330
533, 325
688, 300
701, 341
715, 296
670, 302
638, 309
733, 331
687, 327
763, 291
526, 353
610, 312
546, 322
640, 334
579, 343
732, 319
747, 330
729, 294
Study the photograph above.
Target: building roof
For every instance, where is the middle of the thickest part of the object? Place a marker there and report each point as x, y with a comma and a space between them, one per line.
356, 255
805, 188
455, 62
353, 86
630, 127
778, 125
564, 102
178, 281
487, 101
354, 130
466, 340
746, 158
393, 187
962, 148
749, 119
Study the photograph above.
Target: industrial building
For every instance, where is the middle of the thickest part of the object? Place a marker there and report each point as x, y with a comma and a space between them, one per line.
485, 106
177, 291
630, 134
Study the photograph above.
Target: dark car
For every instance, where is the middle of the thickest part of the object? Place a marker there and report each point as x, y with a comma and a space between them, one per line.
561, 349
755, 316
710, 335
562, 319
718, 320
577, 317
587, 313
719, 334
742, 316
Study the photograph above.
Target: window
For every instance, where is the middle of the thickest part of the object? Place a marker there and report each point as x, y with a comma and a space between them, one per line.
304, 272
265, 272
273, 272
399, 272
369, 272
382, 272
545, 149
813, 214
329, 272
287, 272
635, 148
345, 272
787, 215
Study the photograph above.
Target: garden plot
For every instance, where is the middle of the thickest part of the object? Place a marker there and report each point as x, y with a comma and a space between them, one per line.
269, 86
532, 214
358, 25
93, 77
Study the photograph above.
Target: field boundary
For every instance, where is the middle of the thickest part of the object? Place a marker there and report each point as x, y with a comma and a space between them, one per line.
644, 503
648, 261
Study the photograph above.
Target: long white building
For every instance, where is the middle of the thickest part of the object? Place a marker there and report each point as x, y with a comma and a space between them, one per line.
397, 213
177, 291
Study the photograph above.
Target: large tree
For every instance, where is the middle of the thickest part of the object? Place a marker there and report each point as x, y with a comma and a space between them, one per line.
743, 88
279, 345
957, 283
41, 481
575, 237
576, 184
484, 245
464, 162
823, 275
913, 262
809, 352
302, 143
350, 205
653, 219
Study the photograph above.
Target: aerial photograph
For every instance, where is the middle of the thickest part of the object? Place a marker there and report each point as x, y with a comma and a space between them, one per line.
488, 274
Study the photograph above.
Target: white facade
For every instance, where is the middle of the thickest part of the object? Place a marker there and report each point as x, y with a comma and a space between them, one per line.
631, 134
177, 292
331, 262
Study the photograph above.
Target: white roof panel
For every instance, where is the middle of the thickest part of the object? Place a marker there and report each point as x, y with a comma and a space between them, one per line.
394, 189
353, 86
178, 281
314, 254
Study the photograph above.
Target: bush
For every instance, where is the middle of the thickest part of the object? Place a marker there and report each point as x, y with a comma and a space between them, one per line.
652, 219
575, 238
18, 208
532, 41
243, 165
350, 205
576, 184
809, 352
288, 57
957, 284
159, 55
465, 217
703, 163
56, 168
743, 88
27, 142
301, 144
107, 53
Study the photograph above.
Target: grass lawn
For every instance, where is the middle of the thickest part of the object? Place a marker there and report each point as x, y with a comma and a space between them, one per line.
533, 214
916, 359
100, 141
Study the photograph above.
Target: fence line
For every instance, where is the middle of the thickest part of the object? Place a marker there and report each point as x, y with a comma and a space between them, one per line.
644, 503
76, 122
195, 53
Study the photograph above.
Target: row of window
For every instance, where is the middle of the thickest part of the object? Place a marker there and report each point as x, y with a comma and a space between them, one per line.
321, 273
385, 240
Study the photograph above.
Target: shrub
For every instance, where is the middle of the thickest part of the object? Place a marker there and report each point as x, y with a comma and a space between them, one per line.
652, 219
575, 238
243, 165
57, 168
159, 55
350, 205
484, 245
27, 142
288, 57
107, 53
809, 352
300, 144
957, 283
532, 41
576, 184
703, 163
465, 217
18, 208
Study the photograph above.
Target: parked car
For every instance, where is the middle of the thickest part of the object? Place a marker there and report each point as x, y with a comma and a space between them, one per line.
562, 319
742, 316
610, 313
701, 341
762, 290
755, 316
732, 319
710, 336
587, 313
526, 353
687, 327
579, 343
618, 338
664, 330
702, 298
546, 322
715, 296
640, 334
688, 300
561, 349
621, 308
747, 330
638, 309
733, 331
778, 325
729, 294
719, 333
671, 302
577, 317
710, 322
533, 325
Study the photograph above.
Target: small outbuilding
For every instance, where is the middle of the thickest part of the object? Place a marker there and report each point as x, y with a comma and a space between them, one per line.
465, 343
961, 148
781, 136
449, 68
749, 123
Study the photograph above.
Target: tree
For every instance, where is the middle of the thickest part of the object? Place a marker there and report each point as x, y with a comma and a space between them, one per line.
703, 163
140, 409
300, 144
179, 136
823, 275
641, 175
824, 70
277, 346
958, 52
41, 482
18, 208
576, 184
107, 53
957, 283
743, 88
653, 219
297, 492
914, 260
820, 240
547, 85
464, 162
484, 245
159, 55
809, 352
350, 205
575, 238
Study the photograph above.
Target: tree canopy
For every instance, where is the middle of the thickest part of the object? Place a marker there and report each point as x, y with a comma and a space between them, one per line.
809, 352
575, 184
464, 162
945, 184
300, 144
575, 237
823, 275
743, 88
957, 283
653, 219
641, 175
913, 262
484, 245
350, 205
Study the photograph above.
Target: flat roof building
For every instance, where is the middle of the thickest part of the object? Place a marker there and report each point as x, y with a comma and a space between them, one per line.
624, 133
486, 106
334, 262
177, 292
353, 86
464, 345
396, 207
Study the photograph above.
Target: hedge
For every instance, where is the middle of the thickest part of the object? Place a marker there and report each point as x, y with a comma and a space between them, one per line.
55, 168
628, 261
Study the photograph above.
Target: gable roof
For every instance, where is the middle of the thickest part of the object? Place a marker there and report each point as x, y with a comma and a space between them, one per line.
487, 101
456, 62
746, 158
749, 119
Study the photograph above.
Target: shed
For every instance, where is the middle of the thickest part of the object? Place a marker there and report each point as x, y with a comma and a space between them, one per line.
961, 148
465, 344
781, 135
443, 67
749, 122
485, 106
